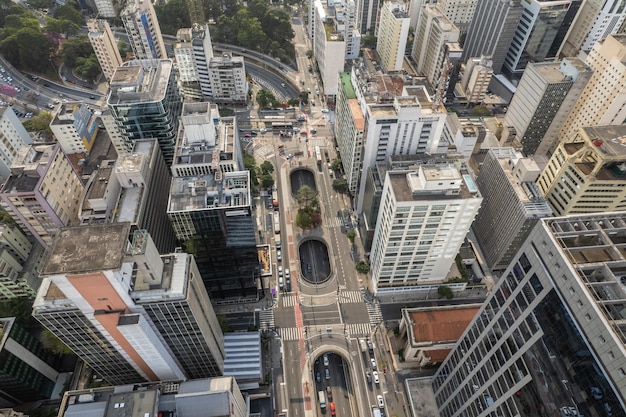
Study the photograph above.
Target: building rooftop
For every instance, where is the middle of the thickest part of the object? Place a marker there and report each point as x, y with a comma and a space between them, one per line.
210, 192
357, 114
610, 141
140, 81
346, 83
550, 71
88, 248
441, 323
29, 163
433, 182
100, 182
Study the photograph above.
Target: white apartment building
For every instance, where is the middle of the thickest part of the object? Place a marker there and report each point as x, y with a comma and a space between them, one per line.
193, 52
144, 32
349, 129
12, 137
459, 12
105, 46
227, 75
393, 30
75, 126
106, 8
425, 213
476, 78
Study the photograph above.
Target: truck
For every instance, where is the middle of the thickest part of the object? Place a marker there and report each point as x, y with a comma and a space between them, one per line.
363, 345
322, 398
376, 411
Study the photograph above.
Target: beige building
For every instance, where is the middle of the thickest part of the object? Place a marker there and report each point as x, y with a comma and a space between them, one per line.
105, 46
460, 12
476, 78
393, 30
586, 173
144, 33
43, 191
603, 101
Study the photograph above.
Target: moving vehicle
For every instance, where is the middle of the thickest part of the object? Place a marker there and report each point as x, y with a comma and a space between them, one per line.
373, 363
363, 345
381, 403
276, 222
318, 156
325, 359
327, 373
322, 398
376, 411
376, 379
333, 412
279, 256
280, 271
329, 393
280, 283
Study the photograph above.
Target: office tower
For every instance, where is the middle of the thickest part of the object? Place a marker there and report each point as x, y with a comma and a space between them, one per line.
459, 12
193, 52
366, 16
597, 20
27, 373
425, 212
227, 75
392, 36
540, 32
335, 40
12, 137
543, 89
350, 130
144, 32
512, 205
118, 304
145, 103
43, 191
586, 173
435, 37
213, 397
476, 78
105, 46
491, 31
603, 100
75, 126
210, 204
106, 8
548, 340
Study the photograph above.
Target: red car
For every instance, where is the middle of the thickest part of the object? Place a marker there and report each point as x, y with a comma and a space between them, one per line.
332, 409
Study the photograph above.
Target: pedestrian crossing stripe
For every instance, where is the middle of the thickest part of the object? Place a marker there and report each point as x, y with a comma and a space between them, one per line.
266, 319
290, 333
376, 316
360, 329
289, 300
350, 297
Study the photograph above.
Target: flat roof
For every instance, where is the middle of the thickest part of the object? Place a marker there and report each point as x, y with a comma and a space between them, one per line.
134, 403
346, 82
140, 81
357, 113
88, 248
401, 186
441, 323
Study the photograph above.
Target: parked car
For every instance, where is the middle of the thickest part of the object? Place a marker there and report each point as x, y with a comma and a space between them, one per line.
279, 256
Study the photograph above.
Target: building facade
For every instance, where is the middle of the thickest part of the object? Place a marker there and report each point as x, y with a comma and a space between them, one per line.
476, 79
193, 53
459, 12
367, 16
392, 36
227, 75
75, 126
144, 33
104, 46
13, 136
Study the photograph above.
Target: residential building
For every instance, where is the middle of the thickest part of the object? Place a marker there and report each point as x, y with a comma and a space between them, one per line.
501, 229
213, 397
463, 134
193, 52
425, 212
548, 339
75, 126
435, 36
432, 332
13, 136
366, 16
43, 191
544, 96
11, 286
459, 12
210, 204
111, 298
540, 32
20, 264
27, 370
104, 46
106, 8
228, 81
491, 31
476, 78
144, 33
586, 172
605, 92
145, 103
597, 20
118, 141
13, 240
393, 31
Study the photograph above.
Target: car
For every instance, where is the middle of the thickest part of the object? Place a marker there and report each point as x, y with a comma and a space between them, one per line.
373, 363
288, 285
329, 393
309, 268
287, 274
280, 271
381, 403
33, 77
325, 359
375, 376
324, 110
333, 411
370, 346
278, 241
318, 377
92, 97
313, 131
308, 90
369, 377
312, 102
263, 130
50, 106
280, 283
279, 256
327, 373
596, 393
247, 135
283, 85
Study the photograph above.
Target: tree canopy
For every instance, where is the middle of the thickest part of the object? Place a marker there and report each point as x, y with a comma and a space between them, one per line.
266, 99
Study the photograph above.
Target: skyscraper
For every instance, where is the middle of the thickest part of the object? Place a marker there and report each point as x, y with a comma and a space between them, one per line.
193, 53
105, 46
501, 228
586, 172
144, 32
227, 75
491, 31
459, 12
145, 103
118, 304
75, 126
548, 341
392, 35
367, 15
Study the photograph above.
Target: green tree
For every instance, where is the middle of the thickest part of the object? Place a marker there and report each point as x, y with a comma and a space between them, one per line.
69, 11
340, 185
251, 34
368, 41
293, 102
445, 292
362, 267
265, 98
480, 111
53, 343
309, 53
21, 308
172, 15
88, 68
34, 49
336, 164
351, 235
74, 48
303, 219
123, 47
64, 26
303, 97
258, 8
5, 217
267, 167
267, 181
306, 196
39, 122
250, 164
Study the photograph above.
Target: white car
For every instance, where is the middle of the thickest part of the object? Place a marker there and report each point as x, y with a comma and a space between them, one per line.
287, 274
326, 359
280, 271
279, 256
375, 376
381, 403
373, 363
324, 110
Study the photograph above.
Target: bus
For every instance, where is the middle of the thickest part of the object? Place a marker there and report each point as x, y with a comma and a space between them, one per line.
318, 155
275, 199
282, 125
276, 222
322, 398
363, 345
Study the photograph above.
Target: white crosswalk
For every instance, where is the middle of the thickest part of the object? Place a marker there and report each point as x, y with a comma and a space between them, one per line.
360, 329
264, 151
318, 142
373, 309
289, 300
346, 297
266, 319
332, 221
290, 333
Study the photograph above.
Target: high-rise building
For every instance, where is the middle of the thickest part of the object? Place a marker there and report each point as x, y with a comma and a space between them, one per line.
227, 75
210, 204
586, 172
540, 32
425, 212
476, 79
42, 193
145, 103
106, 8
393, 30
603, 100
27, 373
75, 126
491, 31
434, 36
506, 176
193, 52
105, 46
597, 20
548, 341
367, 16
119, 305
13, 136
459, 12
144, 33
544, 96
11, 286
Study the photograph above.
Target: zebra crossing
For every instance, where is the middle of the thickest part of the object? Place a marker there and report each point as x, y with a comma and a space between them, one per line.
266, 319
360, 329
332, 221
290, 333
350, 297
289, 300
318, 142
373, 309
264, 151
